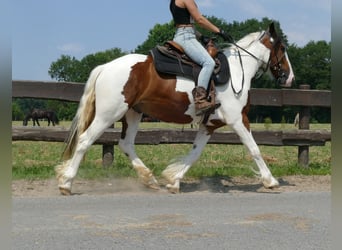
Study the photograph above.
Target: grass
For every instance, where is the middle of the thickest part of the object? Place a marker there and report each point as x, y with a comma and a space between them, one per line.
36, 160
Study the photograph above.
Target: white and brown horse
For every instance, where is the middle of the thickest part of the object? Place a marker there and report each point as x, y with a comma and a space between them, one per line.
125, 88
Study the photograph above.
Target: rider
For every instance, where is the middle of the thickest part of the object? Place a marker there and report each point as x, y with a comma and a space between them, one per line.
185, 13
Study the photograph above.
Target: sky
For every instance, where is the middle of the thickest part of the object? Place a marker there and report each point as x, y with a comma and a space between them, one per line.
43, 30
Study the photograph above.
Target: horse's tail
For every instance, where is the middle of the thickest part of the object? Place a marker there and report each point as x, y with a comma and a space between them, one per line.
84, 115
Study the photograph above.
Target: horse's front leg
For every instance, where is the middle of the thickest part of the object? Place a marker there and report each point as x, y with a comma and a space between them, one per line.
35, 121
126, 144
176, 171
247, 139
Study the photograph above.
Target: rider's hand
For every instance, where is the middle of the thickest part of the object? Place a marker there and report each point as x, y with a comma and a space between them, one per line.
225, 36
204, 40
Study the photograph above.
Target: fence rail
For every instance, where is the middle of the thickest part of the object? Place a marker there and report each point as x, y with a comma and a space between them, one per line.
181, 136
72, 92
69, 91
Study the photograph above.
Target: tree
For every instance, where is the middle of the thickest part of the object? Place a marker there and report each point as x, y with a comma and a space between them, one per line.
161, 33
17, 113
65, 69
69, 69
158, 35
312, 64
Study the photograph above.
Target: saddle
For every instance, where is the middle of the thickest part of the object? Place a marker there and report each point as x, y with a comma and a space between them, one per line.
171, 59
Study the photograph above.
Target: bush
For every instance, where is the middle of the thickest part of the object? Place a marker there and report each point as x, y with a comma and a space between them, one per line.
267, 122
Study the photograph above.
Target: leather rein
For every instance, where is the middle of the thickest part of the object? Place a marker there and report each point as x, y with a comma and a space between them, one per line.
264, 69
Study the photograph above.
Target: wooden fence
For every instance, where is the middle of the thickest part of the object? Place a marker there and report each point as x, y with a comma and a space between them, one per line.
303, 138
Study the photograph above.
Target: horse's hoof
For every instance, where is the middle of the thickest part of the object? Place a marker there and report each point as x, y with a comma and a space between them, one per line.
272, 183
64, 191
154, 186
172, 189
146, 177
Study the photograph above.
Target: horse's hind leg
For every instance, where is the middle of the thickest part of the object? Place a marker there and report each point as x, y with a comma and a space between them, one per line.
126, 144
247, 139
68, 170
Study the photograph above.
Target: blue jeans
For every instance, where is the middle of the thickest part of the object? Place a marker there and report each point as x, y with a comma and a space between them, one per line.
185, 36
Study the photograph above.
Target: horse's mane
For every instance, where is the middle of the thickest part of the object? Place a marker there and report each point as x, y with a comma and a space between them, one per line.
247, 40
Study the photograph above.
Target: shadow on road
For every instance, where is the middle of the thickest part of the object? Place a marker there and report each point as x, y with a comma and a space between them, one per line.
227, 185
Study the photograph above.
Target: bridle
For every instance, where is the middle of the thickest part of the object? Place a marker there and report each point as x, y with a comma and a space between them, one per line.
276, 67
276, 44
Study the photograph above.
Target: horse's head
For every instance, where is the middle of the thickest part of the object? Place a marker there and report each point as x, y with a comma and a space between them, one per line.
26, 119
279, 63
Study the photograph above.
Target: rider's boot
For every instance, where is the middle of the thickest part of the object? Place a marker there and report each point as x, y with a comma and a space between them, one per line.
202, 105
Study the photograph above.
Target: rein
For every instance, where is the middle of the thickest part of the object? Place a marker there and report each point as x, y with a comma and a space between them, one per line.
237, 93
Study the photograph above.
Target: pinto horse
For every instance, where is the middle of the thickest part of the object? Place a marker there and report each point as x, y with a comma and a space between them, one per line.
36, 114
129, 86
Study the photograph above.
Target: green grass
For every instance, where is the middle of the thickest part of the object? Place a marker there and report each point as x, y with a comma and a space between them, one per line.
36, 160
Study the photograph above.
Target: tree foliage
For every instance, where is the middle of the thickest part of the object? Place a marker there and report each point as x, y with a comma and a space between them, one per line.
69, 69
311, 64
159, 34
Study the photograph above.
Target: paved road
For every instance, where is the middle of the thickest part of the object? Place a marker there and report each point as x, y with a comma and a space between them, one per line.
199, 220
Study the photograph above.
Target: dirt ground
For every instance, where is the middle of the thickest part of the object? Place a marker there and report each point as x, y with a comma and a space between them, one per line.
48, 188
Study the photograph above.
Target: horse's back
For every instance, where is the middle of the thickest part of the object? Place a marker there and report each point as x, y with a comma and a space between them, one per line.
116, 72
111, 80
124, 62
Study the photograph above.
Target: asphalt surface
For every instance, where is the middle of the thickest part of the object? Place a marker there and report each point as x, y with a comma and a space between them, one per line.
199, 220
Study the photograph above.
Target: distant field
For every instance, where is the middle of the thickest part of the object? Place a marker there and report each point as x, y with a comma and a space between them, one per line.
35, 160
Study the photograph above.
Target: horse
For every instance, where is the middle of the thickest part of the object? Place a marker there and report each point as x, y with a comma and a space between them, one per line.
36, 114
125, 88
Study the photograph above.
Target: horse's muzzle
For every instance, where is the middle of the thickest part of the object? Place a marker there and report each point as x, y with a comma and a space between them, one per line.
286, 82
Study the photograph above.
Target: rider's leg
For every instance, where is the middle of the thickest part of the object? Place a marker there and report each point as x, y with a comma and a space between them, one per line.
199, 93
194, 49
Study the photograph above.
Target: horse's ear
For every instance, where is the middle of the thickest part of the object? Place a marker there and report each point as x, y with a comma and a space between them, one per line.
272, 30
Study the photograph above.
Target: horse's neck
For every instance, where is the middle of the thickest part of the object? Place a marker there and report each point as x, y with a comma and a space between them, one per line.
244, 65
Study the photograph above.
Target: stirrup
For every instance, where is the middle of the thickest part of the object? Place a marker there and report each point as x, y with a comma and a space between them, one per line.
203, 110
207, 110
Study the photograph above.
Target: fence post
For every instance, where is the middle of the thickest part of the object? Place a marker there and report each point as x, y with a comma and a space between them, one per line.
304, 123
107, 153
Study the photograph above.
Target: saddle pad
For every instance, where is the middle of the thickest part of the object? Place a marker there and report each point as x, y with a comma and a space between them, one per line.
175, 66
223, 75
172, 66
